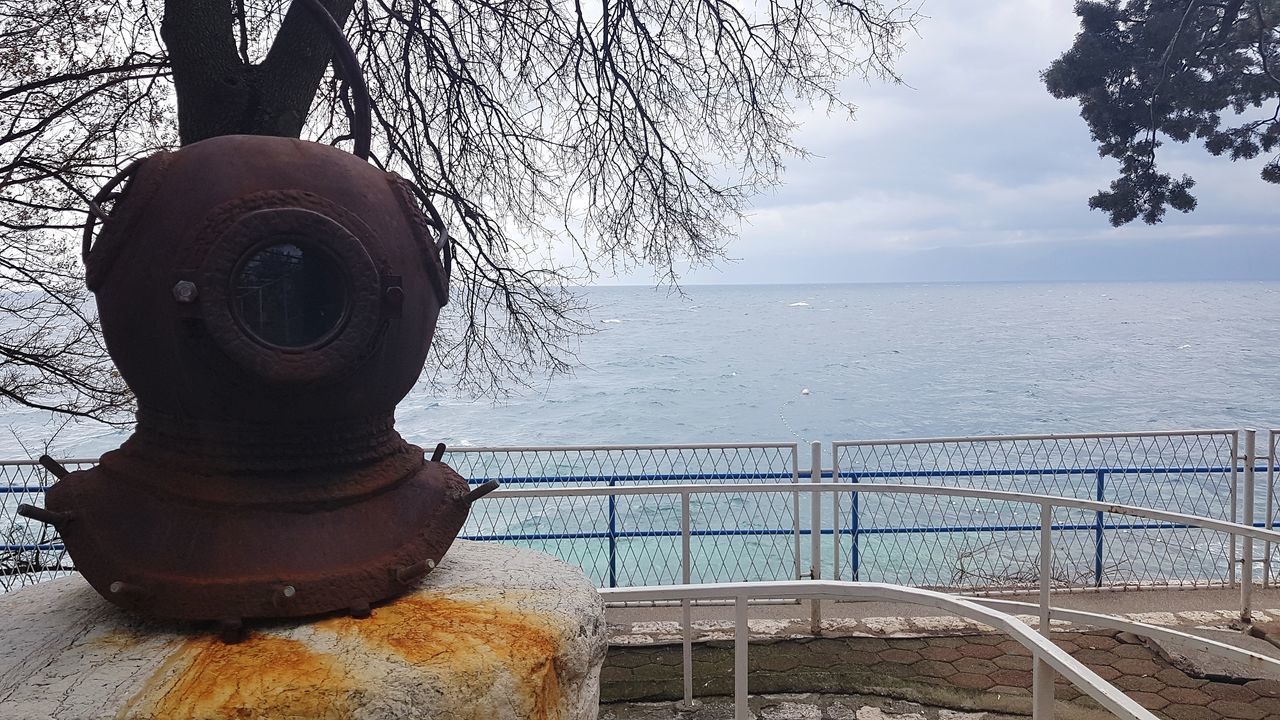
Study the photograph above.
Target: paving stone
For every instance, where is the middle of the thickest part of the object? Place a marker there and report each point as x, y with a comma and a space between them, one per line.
1174, 677
1186, 696
1013, 678
1190, 712
975, 665
911, 643
987, 639
1228, 691
899, 656
1014, 662
1265, 688
1106, 672
941, 654
861, 658
872, 644
1234, 709
1140, 652
1066, 692
933, 668
1013, 647
1098, 642
1089, 656
1269, 705
1135, 666
627, 660
986, 652
971, 681
612, 673
1143, 683
1150, 701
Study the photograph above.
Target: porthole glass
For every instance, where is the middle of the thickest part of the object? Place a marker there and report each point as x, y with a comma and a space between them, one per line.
289, 295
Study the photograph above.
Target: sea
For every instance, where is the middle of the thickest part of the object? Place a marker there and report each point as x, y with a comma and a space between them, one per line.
748, 363
805, 363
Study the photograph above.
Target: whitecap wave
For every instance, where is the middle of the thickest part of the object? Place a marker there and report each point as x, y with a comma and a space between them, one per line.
799, 304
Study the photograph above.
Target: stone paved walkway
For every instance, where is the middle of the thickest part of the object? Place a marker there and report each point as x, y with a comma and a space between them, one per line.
962, 668
797, 707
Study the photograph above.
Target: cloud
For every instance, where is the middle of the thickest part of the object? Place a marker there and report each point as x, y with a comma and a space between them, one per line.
963, 173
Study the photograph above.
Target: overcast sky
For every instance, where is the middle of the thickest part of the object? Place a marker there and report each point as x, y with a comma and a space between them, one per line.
975, 172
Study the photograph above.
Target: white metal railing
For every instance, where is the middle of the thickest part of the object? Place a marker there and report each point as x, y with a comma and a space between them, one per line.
1049, 659
1244, 532
1046, 655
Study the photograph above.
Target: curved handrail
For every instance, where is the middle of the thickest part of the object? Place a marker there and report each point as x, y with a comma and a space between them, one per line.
1252, 659
1041, 648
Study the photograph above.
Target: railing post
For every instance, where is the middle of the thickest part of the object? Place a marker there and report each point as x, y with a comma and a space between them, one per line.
686, 573
815, 531
1046, 564
1235, 505
741, 636
855, 538
1246, 556
1041, 690
835, 514
1269, 520
613, 537
795, 508
1097, 530
1042, 673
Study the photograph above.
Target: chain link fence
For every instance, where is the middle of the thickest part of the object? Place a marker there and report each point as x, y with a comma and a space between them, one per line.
30, 551
975, 544
965, 544
624, 541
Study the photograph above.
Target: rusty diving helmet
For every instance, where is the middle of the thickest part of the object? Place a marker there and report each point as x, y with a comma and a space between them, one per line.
269, 301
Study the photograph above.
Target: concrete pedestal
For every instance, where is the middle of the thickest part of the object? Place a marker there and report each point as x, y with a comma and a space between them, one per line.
494, 633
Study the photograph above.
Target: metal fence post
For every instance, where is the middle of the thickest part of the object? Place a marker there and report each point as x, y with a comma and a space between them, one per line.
1042, 673
855, 538
741, 636
686, 573
613, 537
1235, 505
1046, 564
835, 513
1246, 556
795, 508
1269, 520
1097, 530
815, 531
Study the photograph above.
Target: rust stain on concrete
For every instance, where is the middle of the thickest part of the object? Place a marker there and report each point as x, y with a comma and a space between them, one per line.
259, 678
481, 638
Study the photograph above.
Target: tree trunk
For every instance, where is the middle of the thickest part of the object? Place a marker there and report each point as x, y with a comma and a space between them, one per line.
221, 94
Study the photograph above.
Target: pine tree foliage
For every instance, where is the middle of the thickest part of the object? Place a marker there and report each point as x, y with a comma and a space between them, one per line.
1184, 70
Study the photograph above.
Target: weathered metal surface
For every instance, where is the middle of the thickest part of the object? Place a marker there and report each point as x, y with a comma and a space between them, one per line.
269, 301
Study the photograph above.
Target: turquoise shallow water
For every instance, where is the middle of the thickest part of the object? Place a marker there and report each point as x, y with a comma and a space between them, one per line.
731, 363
